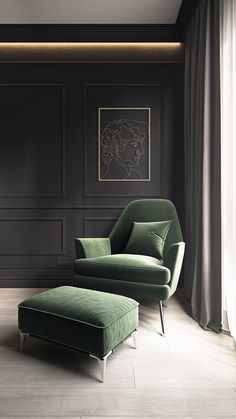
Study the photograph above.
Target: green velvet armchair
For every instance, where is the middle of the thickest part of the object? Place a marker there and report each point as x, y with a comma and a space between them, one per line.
142, 257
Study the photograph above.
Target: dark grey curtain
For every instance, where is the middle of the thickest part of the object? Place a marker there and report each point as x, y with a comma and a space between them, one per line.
202, 160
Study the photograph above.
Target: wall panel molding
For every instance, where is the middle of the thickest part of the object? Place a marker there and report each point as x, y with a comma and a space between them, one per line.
86, 220
22, 234
62, 180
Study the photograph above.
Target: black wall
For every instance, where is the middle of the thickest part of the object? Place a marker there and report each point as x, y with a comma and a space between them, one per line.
49, 188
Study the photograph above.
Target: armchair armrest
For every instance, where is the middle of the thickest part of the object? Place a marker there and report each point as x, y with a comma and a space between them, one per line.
92, 247
174, 261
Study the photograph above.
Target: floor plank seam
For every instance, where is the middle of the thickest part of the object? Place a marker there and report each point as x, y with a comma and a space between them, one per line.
134, 378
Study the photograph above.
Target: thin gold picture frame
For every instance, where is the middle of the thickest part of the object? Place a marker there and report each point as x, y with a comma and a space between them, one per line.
147, 179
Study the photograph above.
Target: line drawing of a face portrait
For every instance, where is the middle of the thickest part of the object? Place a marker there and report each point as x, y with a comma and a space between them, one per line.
122, 144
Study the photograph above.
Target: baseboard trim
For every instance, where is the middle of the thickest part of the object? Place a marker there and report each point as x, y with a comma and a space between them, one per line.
34, 283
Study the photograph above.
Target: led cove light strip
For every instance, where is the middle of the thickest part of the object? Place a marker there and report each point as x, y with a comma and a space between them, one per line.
90, 44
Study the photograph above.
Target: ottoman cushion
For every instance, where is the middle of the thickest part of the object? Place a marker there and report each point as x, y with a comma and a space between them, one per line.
91, 321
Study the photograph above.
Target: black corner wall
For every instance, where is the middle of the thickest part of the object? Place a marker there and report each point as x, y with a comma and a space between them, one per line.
49, 172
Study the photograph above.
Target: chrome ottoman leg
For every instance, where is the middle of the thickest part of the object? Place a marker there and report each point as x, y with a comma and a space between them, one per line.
102, 364
22, 339
134, 334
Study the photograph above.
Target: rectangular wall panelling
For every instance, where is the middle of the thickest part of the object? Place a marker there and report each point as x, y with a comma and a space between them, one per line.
91, 226
49, 123
33, 132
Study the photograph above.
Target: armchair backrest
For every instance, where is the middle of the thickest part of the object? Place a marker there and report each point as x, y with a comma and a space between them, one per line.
145, 210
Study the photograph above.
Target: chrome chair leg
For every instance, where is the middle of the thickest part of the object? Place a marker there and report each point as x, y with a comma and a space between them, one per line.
162, 318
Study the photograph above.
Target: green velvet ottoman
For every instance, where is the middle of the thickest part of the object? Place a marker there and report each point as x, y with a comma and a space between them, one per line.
90, 321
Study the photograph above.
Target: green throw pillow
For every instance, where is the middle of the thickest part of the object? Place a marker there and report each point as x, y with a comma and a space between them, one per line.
148, 238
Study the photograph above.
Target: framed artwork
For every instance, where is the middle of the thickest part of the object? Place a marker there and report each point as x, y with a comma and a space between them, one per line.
124, 141
124, 144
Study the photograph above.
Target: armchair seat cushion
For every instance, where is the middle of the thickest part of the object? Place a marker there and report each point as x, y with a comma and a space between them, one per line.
125, 267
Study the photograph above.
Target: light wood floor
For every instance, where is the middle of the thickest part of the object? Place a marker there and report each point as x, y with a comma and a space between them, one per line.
190, 373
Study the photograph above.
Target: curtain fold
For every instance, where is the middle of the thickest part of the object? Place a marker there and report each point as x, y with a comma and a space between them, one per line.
228, 159
202, 166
